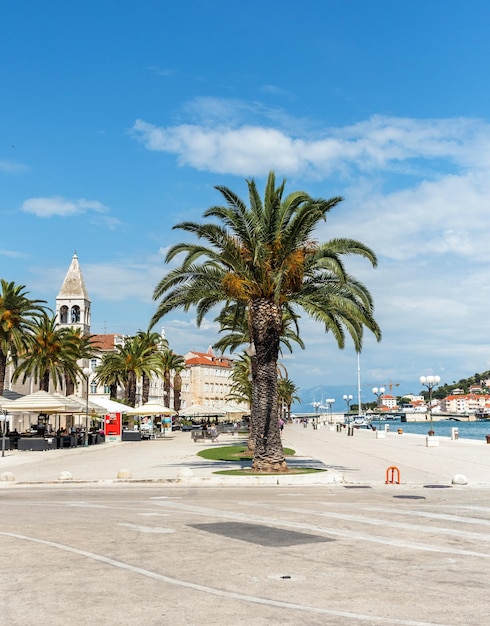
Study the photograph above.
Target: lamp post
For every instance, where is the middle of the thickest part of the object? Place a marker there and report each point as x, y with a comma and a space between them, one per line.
378, 393
86, 372
329, 402
348, 400
4, 429
430, 382
316, 406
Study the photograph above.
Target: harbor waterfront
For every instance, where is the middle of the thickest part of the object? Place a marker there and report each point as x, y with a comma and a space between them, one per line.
442, 428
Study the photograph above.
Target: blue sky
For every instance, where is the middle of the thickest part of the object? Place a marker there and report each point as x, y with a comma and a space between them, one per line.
118, 118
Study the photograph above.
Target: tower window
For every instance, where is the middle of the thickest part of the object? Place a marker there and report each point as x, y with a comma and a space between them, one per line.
64, 315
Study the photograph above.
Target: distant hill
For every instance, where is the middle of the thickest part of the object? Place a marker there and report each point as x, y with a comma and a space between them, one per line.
322, 392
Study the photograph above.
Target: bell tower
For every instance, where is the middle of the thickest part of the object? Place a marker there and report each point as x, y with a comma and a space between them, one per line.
72, 302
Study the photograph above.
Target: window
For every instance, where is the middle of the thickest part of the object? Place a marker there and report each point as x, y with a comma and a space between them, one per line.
64, 315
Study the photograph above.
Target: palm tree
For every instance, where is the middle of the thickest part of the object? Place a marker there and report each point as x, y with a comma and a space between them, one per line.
85, 350
128, 364
288, 393
51, 354
264, 257
155, 343
169, 362
17, 316
178, 368
111, 373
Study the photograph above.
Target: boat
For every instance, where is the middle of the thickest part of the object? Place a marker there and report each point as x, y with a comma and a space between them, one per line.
360, 421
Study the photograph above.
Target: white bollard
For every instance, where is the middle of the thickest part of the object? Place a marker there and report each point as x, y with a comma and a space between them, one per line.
380, 434
459, 479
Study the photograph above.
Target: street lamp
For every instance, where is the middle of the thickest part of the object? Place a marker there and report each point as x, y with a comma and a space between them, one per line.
316, 406
86, 372
329, 402
378, 393
4, 429
430, 382
348, 400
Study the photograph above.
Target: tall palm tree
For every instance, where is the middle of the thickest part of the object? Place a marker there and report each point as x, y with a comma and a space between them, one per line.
169, 362
265, 257
178, 368
155, 343
111, 373
85, 350
127, 365
288, 393
17, 316
51, 355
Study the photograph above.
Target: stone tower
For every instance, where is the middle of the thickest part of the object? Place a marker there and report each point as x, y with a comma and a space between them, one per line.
72, 302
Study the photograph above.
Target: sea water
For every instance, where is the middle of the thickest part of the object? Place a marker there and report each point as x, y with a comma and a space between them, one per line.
466, 430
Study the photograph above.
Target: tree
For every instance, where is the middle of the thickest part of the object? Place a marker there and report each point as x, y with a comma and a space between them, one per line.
17, 316
265, 258
178, 368
155, 343
128, 364
169, 363
111, 373
84, 349
50, 355
288, 393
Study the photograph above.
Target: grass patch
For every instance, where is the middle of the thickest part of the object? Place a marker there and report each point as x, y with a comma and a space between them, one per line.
232, 453
250, 472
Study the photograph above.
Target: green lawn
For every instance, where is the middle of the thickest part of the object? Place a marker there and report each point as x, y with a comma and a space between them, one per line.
232, 453
238, 453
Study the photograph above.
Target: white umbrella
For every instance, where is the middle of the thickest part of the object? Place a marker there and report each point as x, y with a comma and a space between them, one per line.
197, 410
109, 405
41, 402
231, 408
151, 408
82, 405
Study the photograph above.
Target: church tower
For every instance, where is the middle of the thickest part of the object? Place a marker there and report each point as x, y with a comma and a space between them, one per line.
72, 302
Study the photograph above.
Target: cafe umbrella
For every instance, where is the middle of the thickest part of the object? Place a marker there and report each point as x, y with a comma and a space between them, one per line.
151, 408
42, 402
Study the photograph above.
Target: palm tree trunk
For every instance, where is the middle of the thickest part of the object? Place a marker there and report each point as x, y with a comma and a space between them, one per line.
177, 392
44, 383
131, 389
145, 388
3, 370
166, 389
266, 328
113, 391
69, 385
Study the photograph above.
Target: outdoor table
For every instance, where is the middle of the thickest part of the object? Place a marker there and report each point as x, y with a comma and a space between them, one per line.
131, 435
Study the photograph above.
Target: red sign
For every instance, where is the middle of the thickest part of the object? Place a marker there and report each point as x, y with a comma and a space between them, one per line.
112, 425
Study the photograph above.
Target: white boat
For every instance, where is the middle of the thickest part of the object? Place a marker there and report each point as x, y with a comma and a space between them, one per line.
360, 421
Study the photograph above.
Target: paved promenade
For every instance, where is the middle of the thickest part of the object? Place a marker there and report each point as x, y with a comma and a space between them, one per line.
358, 459
172, 545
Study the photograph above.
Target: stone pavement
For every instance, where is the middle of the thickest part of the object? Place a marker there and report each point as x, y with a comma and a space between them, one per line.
358, 459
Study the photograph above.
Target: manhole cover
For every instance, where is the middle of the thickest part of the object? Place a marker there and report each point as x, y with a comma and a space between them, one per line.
437, 486
410, 497
260, 534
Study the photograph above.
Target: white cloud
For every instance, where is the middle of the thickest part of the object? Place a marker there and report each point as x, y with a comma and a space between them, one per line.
225, 145
61, 207
13, 254
11, 167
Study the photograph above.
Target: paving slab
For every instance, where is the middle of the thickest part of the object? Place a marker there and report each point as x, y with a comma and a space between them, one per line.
358, 459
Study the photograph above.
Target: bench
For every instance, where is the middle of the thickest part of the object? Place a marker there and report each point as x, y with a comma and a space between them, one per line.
202, 435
